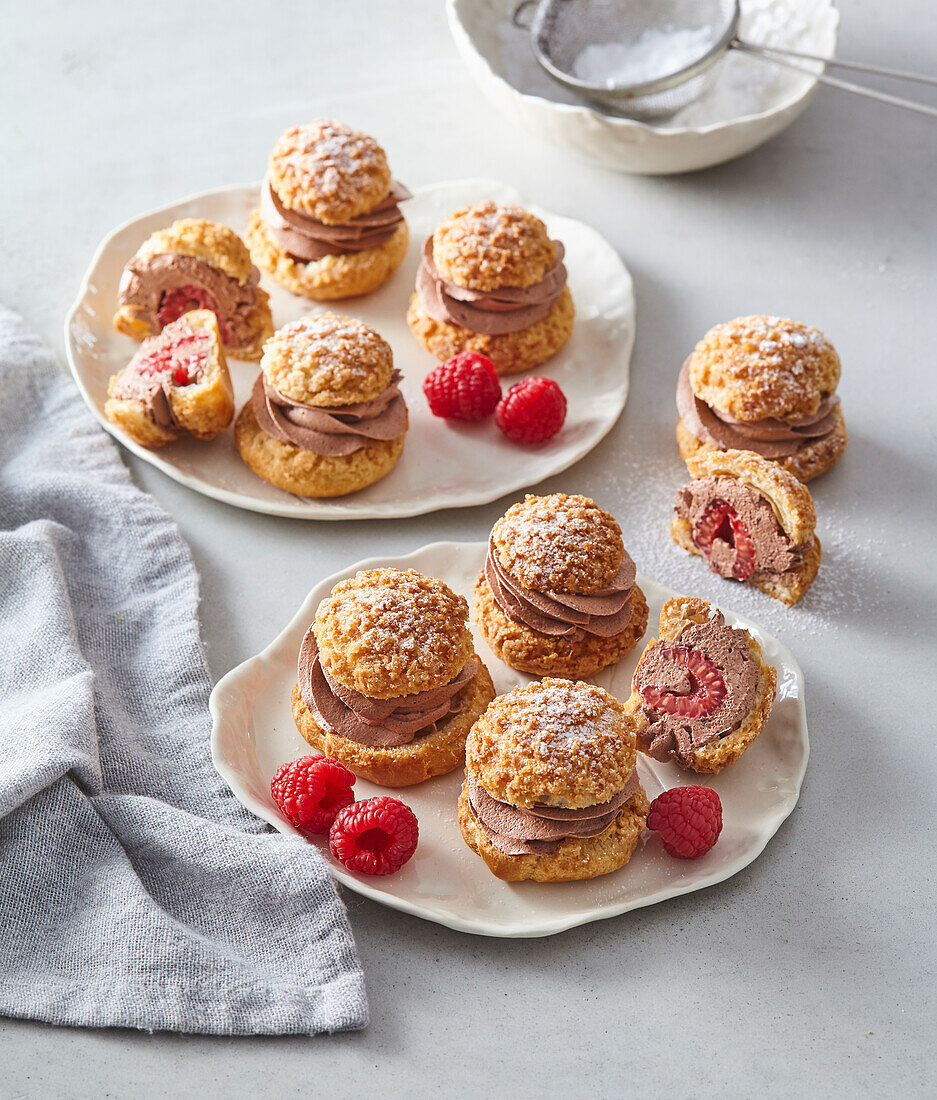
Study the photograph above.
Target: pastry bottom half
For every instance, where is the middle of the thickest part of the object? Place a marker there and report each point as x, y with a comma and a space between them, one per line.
548, 654
510, 352
308, 474
574, 858
346, 276
404, 765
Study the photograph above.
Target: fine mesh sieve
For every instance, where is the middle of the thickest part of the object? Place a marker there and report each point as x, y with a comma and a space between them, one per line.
562, 29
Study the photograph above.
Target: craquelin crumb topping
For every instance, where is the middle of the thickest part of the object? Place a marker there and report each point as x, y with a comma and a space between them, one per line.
487, 246
552, 742
559, 543
327, 360
392, 632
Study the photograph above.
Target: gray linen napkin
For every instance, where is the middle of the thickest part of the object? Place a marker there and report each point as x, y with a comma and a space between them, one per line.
134, 890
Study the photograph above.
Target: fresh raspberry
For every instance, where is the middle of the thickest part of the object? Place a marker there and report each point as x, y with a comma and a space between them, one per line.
533, 411
182, 359
311, 791
721, 523
465, 387
376, 836
703, 683
689, 820
183, 299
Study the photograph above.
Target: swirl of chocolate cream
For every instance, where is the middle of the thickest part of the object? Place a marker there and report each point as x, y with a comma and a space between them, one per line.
678, 736
144, 283
488, 312
604, 613
338, 430
308, 240
377, 723
539, 830
770, 437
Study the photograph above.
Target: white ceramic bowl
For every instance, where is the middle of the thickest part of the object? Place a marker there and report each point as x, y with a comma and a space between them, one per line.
480, 30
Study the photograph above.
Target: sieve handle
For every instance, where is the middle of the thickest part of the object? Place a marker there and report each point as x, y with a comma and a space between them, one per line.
785, 58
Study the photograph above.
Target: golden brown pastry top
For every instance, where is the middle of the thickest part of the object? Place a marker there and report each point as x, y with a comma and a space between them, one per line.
559, 543
327, 360
553, 742
391, 632
756, 367
486, 246
328, 171
788, 496
212, 242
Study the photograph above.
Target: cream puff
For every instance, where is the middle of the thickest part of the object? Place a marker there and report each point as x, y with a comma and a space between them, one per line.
195, 264
329, 223
177, 382
768, 385
326, 416
491, 280
387, 679
558, 595
751, 520
551, 792
702, 692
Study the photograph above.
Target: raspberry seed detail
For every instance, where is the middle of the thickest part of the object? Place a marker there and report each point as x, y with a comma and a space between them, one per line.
720, 523
705, 683
311, 791
374, 837
689, 820
465, 387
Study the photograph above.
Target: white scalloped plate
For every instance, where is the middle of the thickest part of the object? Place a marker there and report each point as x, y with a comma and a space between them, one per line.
443, 466
253, 733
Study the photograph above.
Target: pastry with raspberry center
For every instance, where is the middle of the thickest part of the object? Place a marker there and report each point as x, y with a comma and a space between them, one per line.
388, 681
491, 280
178, 381
329, 223
751, 520
768, 385
551, 792
326, 416
558, 595
702, 692
195, 264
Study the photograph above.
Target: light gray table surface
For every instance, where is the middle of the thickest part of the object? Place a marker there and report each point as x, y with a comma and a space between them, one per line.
811, 973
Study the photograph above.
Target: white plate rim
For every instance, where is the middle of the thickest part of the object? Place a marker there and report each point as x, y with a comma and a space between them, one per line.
360, 885
317, 510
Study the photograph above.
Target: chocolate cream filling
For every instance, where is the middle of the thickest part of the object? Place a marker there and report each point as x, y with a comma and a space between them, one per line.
488, 312
144, 284
605, 613
541, 829
679, 736
308, 240
377, 723
775, 553
333, 431
153, 388
770, 437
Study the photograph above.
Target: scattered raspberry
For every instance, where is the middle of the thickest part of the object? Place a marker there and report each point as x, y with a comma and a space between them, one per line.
183, 299
182, 359
703, 683
311, 791
533, 411
465, 387
689, 820
721, 523
376, 836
